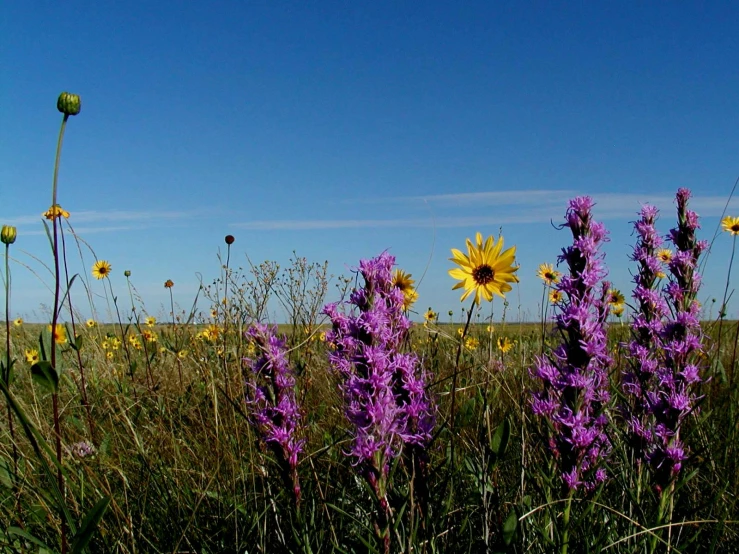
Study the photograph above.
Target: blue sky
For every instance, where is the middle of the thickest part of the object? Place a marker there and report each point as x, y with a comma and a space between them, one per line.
342, 129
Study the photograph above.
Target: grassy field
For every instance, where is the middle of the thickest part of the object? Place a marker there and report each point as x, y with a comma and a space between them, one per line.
347, 429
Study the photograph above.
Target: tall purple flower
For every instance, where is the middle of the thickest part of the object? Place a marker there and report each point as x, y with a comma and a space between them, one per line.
665, 345
575, 374
647, 327
384, 388
272, 406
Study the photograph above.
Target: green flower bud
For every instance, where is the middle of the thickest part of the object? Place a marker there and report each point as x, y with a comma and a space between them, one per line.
127, 273
8, 234
69, 104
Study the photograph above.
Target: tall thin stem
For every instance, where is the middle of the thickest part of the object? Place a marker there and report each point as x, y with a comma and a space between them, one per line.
55, 317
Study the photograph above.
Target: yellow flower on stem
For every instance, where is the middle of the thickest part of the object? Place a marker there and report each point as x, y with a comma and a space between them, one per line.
56, 211
548, 274
730, 225
182, 354
555, 296
100, 269
403, 281
18, 322
618, 310
471, 343
431, 316
664, 255
151, 321
615, 297
91, 323
168, 284
59, 334
505, 344
485, 270
109, 355
148, 335
32, 356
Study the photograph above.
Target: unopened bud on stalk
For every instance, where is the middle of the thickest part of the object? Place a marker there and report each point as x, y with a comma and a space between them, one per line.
69, 104
8, 234
230, 239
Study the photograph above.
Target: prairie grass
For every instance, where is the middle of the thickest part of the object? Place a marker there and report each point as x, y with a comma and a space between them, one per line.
132, 435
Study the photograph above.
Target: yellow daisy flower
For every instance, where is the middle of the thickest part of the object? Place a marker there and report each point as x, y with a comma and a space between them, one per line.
148, 335
109, 355
182, 354
618, 310
615, 297
100, 269
485, 269
115, 343
664, 255
322, 336
431, 316
471, 343
548, 274
661, 275
56, 211
91, 323
18, 321
730, 225
151, 321
555, 296
32, 356
168, 284
505, 344
59, 334
403, 281
105, 344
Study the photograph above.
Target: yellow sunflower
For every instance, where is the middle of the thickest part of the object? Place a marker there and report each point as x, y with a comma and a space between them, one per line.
151, 321
100, 269
109, 355
618, 310
18, 322
505, 344
59, 334
730, 225
56, 211
615, 297
403, 281
485, 270
431, 316
168, 284
555, 296
471, 343
664, 255
32, 356
182, 354
91, 323
548, 274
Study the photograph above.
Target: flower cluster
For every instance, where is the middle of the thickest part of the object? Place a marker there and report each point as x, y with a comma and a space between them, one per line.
575, 374
646, 327
271, 402
384, 389
666, 345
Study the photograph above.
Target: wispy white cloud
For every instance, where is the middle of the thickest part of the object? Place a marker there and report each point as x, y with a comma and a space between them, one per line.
531, 206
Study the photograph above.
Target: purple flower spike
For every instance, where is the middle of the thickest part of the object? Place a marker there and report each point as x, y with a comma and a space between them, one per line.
272, 406
384, 390
575, 374
666, 342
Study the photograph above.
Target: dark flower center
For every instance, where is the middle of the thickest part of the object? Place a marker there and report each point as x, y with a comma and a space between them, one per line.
735, 228
483, 274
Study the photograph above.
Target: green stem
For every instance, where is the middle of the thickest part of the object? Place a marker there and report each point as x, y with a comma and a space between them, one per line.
566, 525
6, 373
55, 318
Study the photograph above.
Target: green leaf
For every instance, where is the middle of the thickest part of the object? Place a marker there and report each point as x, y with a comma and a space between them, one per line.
45, 376
510, 525
89, 525
17, 531
77, 345
499, 441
